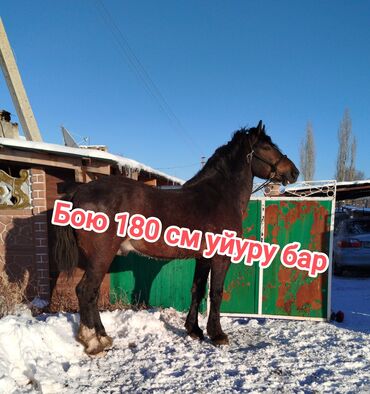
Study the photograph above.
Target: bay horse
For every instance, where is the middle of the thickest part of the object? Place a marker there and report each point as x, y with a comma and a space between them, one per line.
212, 201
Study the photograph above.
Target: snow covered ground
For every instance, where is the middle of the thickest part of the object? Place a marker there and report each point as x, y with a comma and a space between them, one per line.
152, 354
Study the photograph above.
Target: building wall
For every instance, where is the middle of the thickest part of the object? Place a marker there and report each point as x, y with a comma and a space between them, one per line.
24, 237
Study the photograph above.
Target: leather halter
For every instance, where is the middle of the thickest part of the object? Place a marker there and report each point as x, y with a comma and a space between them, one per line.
273, 167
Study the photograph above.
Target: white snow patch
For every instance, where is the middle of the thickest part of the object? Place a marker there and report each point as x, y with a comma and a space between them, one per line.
151, 353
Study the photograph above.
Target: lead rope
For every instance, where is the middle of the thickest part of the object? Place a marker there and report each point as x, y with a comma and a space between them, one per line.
258, 188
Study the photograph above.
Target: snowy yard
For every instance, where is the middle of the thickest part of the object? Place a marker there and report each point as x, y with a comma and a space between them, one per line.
152, 354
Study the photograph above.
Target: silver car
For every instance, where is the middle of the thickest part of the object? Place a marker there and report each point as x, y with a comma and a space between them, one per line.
351, 244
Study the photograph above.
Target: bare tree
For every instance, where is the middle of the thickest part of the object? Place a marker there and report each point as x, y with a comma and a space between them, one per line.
352, 167
307, 154
359, 175
344, 137
346, 160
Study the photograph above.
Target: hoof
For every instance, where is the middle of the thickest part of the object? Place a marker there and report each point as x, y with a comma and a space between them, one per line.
94, 347
194, 331
106, 341
97, 345
94, 344
85, 335
196, 334
220, 340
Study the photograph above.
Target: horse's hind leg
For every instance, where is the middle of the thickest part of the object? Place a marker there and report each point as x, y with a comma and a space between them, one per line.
198, 291
91, 332
219, 267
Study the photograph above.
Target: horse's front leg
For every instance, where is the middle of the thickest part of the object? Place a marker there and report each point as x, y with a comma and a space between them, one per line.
219, 267
197, 293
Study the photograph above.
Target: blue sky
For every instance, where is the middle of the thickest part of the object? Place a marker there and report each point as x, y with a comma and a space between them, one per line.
219, 65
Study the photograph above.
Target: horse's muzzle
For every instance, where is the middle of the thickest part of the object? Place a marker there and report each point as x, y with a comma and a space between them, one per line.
290, 176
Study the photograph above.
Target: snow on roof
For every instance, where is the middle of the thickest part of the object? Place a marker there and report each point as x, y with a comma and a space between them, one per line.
303, 185
319, 184
130, 163
341, 190
83, 152
353, 183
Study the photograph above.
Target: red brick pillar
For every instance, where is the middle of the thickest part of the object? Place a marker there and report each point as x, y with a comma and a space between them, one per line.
38, 184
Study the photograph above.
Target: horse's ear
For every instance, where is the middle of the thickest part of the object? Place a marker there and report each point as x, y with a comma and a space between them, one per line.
259, 127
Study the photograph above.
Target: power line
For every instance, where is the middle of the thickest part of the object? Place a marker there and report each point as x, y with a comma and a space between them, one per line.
139, 70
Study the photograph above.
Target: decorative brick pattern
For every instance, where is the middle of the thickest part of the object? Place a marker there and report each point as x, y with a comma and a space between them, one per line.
38, 184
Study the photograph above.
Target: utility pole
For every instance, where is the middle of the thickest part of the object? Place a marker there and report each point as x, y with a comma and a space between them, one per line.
16, 89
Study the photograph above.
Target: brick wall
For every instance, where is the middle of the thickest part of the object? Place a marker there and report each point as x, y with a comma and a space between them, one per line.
24, 240
17, 253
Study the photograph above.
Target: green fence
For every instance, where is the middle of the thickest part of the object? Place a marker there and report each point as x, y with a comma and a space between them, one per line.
141, 280
275, 291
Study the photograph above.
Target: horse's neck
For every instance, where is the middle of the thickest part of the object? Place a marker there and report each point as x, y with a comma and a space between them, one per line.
230, 178
245, 188
238, 185
214, 171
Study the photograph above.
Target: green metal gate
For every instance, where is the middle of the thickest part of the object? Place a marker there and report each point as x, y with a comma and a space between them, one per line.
278, 290
241, 286
248, 291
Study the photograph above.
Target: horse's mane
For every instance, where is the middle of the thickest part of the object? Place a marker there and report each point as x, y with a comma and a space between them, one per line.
220, 161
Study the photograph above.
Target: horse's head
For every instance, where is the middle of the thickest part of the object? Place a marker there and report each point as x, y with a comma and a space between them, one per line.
266, 159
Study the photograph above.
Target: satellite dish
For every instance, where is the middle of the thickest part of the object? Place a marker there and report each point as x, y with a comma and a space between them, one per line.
68, 139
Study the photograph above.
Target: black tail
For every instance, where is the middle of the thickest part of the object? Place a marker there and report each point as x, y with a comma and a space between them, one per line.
65, 251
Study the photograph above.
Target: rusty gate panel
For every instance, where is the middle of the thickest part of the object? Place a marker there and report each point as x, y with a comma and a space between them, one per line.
290, 291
